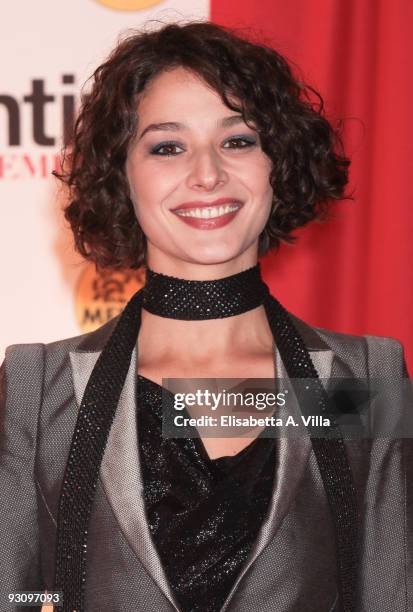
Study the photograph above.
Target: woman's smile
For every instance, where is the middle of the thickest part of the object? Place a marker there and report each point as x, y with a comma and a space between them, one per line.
209, 219
204, 215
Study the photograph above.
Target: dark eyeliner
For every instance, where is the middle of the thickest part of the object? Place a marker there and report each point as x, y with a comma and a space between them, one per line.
248, 139
155, 149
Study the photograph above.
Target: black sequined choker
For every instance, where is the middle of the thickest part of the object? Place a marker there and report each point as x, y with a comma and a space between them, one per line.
177, 298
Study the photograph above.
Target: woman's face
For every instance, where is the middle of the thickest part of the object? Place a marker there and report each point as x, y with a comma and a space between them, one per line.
199, 180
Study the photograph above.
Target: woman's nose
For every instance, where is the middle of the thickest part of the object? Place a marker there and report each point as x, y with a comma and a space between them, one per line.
206, 171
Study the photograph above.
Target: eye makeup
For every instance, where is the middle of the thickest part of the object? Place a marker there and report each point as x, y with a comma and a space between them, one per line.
248, 141
156, 149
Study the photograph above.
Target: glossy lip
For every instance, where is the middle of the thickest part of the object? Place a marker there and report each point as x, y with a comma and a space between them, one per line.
201, 204
209, 224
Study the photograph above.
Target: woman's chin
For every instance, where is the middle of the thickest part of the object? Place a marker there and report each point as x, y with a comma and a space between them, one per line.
214, 253
219, 255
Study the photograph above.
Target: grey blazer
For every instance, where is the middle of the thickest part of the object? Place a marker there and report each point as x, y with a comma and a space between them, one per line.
292, 566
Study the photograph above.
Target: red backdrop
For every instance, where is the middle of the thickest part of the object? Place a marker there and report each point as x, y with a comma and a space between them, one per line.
354, 273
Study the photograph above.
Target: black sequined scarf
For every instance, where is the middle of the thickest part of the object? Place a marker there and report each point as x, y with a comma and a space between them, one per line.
95, 417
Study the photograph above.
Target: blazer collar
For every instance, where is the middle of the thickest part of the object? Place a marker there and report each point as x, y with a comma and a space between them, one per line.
120, 472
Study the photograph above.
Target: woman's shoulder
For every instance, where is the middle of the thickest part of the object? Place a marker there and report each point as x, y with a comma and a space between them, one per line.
381, 353
87, 342
343, 338
28, 368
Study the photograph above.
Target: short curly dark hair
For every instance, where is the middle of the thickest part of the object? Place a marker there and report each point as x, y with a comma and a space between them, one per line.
309, 168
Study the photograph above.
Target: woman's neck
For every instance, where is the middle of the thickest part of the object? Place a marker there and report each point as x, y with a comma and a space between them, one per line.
201, 341
206, 319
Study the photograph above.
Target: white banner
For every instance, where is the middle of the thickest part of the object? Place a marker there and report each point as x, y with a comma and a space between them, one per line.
48, 50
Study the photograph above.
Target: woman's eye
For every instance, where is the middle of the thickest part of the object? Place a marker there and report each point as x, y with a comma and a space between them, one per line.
171, 149
166, 149
240, 142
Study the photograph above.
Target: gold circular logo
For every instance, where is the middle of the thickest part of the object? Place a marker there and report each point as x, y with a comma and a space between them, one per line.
129, 5
102, 295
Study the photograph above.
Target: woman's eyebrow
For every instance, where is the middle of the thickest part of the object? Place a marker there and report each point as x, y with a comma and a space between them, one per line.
175, 126
168, 125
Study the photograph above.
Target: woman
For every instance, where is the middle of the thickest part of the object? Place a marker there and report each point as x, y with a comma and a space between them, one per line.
195, 152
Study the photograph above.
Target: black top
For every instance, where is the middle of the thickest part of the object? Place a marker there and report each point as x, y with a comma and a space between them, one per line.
204, 514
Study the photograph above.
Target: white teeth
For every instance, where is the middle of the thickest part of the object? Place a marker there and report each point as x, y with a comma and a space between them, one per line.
208, 213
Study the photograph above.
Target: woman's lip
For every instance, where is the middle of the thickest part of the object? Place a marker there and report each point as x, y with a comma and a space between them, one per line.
200, 204
209, 224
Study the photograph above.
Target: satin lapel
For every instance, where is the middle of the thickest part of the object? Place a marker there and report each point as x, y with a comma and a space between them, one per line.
120, 472
293, 456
